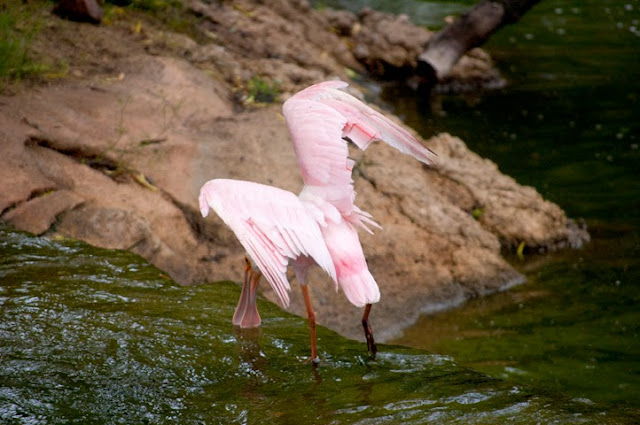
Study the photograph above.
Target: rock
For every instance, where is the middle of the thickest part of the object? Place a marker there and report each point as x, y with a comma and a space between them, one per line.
343, 22
117, 159
38, 214
515, 214
283, 41
80, 10
390, 46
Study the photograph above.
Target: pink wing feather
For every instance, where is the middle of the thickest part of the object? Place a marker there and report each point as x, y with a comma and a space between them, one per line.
319, 118
363, 124
316, 131
273, 225
366, 125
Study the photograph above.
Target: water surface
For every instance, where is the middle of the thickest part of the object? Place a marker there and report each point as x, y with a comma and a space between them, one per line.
97, 336
568, 123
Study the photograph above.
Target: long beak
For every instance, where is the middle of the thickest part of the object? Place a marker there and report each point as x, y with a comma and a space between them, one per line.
246, 314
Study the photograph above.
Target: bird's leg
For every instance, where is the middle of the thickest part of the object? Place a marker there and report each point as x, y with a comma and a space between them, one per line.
312, 323
368, 333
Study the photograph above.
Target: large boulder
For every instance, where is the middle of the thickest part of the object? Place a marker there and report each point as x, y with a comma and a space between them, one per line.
116, 155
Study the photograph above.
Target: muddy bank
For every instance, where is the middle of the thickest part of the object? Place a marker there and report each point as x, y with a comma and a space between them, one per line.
116, 152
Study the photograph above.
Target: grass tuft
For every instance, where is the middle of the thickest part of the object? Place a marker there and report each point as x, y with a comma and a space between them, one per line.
18, 27
262, 90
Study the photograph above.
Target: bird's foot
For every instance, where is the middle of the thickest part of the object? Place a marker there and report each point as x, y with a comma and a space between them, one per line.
314, 361
371, 343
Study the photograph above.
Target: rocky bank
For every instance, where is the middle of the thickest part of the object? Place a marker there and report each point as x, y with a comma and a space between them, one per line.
115, 153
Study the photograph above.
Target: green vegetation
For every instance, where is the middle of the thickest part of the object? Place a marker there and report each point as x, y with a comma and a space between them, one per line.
477, 213
169, 12
261, 90
19, 24
156, 5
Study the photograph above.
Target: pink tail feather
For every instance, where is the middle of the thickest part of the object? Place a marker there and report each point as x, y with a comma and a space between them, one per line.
352, 272
360, 288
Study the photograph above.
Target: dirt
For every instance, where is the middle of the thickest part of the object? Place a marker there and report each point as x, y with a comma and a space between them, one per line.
115, 150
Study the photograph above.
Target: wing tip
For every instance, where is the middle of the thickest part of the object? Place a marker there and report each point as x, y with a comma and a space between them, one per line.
202, 200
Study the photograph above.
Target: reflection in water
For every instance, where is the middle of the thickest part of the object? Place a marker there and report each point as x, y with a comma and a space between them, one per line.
574, 327
248, 344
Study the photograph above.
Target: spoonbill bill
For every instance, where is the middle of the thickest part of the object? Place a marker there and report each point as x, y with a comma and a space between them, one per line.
319, 226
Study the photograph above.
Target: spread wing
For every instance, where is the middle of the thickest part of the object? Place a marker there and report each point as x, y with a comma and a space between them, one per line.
319, 118
366, 125
337, 112
273, 225
316, 132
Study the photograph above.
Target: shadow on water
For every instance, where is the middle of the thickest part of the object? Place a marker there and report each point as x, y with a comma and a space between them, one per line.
97, 336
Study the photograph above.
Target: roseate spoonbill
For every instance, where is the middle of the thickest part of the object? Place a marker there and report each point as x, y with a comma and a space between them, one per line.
319, 226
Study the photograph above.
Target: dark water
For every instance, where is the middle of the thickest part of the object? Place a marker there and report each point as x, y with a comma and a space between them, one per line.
568, 124
91, 336
97, 336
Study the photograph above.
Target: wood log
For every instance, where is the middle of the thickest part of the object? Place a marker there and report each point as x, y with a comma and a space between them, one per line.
470, 30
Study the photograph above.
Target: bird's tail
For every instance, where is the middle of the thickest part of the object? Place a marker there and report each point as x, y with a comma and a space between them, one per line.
361, 219
360, 288
352, 273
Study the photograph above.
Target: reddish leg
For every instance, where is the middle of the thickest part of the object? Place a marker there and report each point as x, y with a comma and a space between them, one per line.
368, 333
312, 323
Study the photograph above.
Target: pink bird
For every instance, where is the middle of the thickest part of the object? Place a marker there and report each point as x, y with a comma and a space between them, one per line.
319, 226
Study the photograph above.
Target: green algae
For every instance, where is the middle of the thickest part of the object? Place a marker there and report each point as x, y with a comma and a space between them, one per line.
100, 336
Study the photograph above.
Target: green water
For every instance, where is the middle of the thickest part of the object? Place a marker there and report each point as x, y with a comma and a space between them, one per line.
568, 123
92, 336
97, 336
